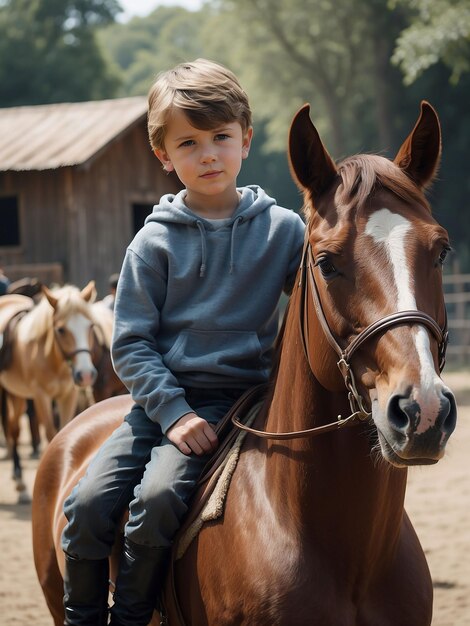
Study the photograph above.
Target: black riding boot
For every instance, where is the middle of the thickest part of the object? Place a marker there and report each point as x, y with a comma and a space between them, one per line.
139, 583
86, 588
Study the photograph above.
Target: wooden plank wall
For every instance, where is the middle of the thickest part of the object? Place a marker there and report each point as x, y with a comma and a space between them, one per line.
81, 217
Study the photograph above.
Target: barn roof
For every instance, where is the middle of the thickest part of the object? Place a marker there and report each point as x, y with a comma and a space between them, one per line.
57, 135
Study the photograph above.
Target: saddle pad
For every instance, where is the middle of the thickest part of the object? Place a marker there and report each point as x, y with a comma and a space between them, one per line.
214, 506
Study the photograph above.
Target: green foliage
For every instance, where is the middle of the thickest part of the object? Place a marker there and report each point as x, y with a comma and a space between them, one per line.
146, 46
333, 54
439, 30
49, 53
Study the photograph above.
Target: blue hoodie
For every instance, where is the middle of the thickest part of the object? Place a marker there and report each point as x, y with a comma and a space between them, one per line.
197, 300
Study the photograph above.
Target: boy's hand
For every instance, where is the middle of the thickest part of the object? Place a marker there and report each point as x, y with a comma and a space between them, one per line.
191, 433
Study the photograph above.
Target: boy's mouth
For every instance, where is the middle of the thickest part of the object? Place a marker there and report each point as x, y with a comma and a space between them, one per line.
211, 174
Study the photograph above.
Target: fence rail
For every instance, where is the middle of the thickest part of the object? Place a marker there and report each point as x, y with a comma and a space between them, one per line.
457, 297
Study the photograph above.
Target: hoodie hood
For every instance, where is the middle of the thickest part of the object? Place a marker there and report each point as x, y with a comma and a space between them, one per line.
172, 209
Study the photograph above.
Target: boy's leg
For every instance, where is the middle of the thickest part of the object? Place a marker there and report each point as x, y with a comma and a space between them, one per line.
94, 511
156, 513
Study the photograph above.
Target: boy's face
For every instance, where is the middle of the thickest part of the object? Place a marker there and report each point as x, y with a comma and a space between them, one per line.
206, 161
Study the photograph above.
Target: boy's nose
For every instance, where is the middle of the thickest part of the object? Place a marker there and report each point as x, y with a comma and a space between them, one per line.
208, 156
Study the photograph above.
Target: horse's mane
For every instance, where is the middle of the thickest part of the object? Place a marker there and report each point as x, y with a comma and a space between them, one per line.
277, 349
70, 301
362, 174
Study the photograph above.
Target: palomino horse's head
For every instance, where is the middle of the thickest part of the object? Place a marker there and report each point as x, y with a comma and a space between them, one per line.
373, 250
72, 328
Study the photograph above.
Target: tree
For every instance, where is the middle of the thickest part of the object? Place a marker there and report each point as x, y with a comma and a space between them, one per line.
439, 30
49, 53
145, 46
334, 54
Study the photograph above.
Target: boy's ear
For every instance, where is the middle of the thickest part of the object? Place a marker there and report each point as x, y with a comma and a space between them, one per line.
247, 142
164, 159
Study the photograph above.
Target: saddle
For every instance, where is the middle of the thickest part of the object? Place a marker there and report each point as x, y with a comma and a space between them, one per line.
227, 434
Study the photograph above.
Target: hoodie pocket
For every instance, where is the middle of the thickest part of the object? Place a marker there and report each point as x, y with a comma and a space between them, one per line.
217, 352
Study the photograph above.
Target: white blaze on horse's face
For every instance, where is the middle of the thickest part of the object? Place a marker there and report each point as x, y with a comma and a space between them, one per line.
390, 230
84, 372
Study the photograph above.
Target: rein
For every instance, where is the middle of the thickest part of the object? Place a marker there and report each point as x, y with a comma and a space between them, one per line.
356, 402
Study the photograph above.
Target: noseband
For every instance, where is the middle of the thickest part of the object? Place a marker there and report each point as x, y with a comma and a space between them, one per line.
309, 288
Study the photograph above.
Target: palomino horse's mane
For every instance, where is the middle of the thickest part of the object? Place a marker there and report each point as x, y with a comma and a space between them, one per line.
39, 321
361, 174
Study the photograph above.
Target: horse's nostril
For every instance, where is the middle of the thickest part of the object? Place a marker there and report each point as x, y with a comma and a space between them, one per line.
448, 412
397, 413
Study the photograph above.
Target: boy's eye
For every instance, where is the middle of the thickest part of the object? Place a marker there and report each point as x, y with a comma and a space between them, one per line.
188, 142
222, 136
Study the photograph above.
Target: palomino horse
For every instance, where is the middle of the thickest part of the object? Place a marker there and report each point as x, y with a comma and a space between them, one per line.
314, 530
107, 384
50, 356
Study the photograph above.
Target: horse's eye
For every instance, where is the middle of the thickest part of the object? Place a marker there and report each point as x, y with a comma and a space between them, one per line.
443, 255
326, 267
61, 330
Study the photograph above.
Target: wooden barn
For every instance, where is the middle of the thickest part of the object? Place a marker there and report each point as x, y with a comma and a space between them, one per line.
76, 182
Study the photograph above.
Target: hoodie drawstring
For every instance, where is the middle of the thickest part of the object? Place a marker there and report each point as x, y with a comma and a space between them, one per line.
239, 220
202, 231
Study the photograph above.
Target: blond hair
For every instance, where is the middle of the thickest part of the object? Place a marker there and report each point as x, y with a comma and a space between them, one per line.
208, 93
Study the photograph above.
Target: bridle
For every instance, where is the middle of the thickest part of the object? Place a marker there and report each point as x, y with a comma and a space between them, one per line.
359, 412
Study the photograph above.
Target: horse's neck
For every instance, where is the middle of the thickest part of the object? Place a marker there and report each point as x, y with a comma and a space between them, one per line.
332, 476
36, 328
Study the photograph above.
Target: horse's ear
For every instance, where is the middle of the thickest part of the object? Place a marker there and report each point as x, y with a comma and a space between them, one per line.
88, 293
311, 166
420, 154
50, 296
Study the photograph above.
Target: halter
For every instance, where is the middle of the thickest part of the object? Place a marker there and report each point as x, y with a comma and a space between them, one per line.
308, 288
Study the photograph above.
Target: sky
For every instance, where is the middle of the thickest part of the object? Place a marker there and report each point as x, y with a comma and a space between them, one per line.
144, 7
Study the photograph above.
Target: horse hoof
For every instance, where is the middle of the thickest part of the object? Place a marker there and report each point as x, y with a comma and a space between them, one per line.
24, 497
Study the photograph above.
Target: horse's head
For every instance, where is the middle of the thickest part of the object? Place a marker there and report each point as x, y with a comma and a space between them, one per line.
73, 321
376, 250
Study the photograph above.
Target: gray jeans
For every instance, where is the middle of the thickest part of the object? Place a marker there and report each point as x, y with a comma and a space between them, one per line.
140, 466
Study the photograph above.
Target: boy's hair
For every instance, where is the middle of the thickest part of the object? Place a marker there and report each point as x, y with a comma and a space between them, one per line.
208, 93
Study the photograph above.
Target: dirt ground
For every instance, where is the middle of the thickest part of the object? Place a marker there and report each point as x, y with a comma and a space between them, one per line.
438, 502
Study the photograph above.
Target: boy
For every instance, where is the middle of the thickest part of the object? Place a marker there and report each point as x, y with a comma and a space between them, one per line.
195, 319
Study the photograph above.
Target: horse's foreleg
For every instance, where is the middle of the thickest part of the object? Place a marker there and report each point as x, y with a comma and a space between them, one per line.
34, 428
67, 405
16, 407
43, 406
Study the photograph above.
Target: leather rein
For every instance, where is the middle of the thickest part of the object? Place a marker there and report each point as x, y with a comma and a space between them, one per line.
359, 412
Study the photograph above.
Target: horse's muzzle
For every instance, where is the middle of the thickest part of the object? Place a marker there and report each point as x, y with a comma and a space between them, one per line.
84, 377
416, 427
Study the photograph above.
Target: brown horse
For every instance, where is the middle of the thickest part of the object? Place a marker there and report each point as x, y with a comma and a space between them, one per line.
107, 384
49, 358
314, 529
